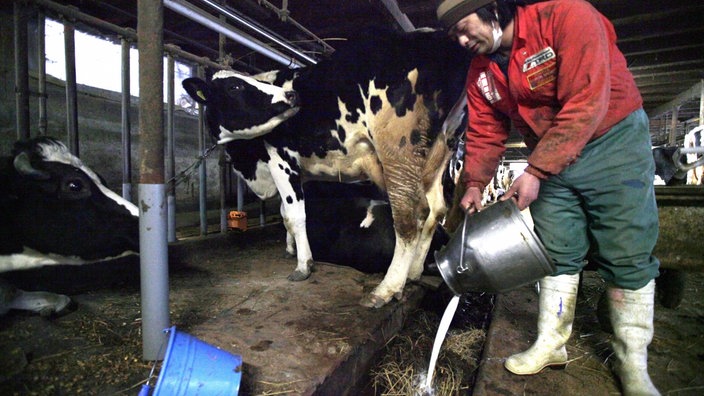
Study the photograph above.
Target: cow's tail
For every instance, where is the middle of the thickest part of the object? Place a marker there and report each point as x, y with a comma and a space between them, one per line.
435, 162
439, 153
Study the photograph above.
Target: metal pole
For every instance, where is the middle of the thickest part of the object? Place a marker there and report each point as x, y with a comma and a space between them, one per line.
262, 212
154, 270
73, 14
41, 71
223, 166
170, 155
21, 70
71, 91
126, 126
268, 35
701, 102
202, 174
240, 193
196, 14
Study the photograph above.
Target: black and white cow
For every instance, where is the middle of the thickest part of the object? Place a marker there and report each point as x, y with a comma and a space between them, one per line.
674, 168
55, 210
350, 224
376, 109
694, 140
667, 171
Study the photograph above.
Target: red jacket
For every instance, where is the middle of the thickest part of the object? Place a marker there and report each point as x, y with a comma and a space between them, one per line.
569, 84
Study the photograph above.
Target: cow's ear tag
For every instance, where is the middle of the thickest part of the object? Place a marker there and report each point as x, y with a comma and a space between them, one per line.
200, 94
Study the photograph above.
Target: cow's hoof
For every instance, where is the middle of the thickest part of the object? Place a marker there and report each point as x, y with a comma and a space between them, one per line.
372, 301
298, 276
60, 310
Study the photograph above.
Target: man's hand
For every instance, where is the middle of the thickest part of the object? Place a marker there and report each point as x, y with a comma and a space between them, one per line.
472, 200
524, 189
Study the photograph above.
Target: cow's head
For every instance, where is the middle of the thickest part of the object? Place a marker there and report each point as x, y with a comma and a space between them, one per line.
52, 203
242, 107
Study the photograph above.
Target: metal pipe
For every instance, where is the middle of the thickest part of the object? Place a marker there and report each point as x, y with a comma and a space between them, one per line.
21, 71
153, 256
240, 193
202, 173
154, 269
290, 20
398, 15
199, 60
223, 166
125, 121
691, 150
41, 71
74, 14
205, 19
71, 89
170, 152
259, 30
701, 102
262, 212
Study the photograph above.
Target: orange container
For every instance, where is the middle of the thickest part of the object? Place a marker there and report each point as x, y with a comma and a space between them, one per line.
237, 220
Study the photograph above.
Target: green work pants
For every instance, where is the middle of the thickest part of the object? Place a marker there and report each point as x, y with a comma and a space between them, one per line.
603, 208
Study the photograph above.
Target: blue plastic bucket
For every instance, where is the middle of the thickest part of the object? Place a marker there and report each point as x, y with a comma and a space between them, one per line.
193, 367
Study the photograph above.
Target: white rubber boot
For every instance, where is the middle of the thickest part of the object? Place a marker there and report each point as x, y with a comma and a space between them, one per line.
557, 301
631, 314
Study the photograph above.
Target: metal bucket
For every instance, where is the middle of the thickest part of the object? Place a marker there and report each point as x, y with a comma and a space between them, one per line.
494, 251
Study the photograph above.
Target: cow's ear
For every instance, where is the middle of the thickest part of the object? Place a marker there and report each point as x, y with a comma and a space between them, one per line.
197, 89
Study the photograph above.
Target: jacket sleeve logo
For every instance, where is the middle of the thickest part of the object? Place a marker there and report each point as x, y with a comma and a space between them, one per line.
486, 85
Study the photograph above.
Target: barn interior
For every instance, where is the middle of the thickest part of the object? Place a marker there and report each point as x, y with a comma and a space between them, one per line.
228, 285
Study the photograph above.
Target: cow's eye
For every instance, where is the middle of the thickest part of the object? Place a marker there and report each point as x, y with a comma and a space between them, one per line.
74, 185
235, 88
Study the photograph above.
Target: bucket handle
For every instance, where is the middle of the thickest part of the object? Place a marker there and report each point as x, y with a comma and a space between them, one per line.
146, 388
461, 266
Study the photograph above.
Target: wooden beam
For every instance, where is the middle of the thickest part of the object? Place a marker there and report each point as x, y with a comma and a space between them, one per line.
692, 93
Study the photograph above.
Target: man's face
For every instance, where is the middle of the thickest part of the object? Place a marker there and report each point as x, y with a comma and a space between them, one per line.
473, 34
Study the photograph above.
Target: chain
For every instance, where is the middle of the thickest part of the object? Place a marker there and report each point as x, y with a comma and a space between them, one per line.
186, 173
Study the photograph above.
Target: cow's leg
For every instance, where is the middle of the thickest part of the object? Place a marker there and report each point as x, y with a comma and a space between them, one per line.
416, 267
415, 217
286, 175
290, 239
407, 263
436, 210
43, 303
395, 279
295, 219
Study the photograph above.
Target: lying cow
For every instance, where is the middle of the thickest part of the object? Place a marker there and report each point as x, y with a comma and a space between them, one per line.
350, 224
55, 210
374, 110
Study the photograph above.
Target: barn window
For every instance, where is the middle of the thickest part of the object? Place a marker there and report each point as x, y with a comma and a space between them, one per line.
98, 63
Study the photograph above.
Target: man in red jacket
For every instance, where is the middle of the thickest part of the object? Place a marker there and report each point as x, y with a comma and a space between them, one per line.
552, 71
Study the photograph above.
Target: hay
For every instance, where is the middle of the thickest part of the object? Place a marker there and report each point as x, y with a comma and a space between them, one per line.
404, 367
